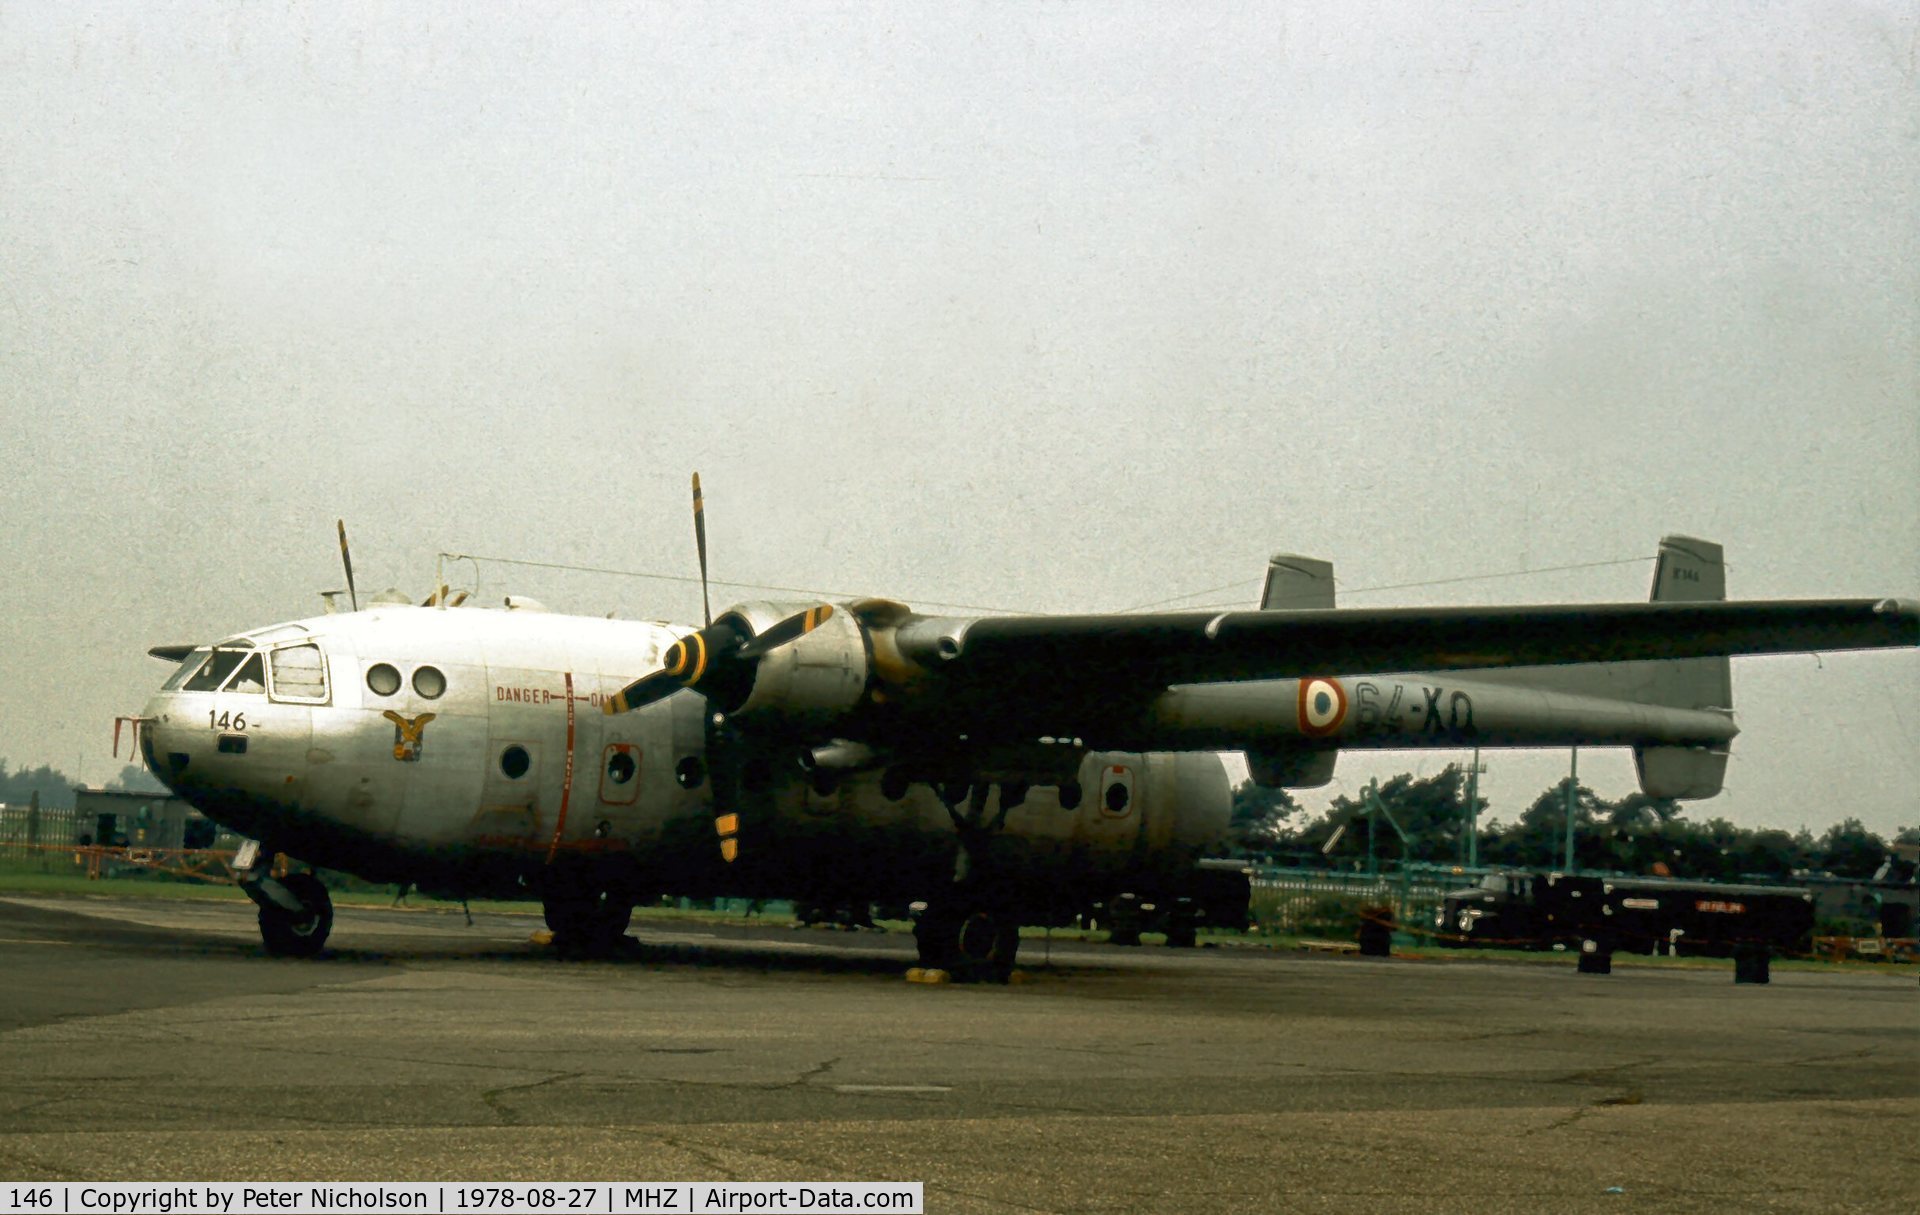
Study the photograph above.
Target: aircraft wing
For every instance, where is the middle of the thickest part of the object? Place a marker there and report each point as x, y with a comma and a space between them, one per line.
1033, 653
876, 670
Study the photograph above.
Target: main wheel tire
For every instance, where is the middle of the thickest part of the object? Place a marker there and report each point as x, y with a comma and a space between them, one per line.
971, 945
986, 946
290, 935
588, 921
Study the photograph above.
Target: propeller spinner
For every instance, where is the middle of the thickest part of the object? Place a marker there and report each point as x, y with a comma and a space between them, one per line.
716, 660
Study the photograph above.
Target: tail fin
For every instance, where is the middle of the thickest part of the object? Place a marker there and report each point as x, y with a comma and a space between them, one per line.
1294, 584
1687, 571
1297, 583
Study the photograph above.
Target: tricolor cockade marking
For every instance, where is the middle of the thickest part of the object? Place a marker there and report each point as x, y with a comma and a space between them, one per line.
1323, 706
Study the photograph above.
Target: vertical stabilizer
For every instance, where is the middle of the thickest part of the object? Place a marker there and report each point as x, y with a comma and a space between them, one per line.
1297, 583
1688, 571
1692, 571
1294, 584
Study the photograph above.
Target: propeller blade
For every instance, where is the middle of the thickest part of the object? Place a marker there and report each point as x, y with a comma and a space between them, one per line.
643, 692
700, 542
793, 628
346, 559
687, 662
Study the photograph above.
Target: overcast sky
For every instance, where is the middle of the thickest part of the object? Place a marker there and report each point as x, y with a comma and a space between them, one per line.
1033, 306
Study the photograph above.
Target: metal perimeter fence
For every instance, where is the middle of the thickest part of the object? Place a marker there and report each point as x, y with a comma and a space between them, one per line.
61, 841
1329, 903
38, 839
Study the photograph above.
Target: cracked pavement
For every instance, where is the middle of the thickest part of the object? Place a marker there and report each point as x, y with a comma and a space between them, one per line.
146, 1039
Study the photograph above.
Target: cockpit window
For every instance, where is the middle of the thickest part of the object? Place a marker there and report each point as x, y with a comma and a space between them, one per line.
299, 673
187, 667
250, 679
214, 671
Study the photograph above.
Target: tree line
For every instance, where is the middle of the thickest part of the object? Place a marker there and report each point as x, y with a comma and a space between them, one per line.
1636, 834
55, 788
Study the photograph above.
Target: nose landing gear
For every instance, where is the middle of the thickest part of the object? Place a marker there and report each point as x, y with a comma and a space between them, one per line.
287, 932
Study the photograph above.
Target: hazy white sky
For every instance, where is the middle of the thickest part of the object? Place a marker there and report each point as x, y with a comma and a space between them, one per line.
1036, 306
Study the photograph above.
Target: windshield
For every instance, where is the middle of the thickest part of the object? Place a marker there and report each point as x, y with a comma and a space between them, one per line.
214, 671
251, 678
187, 666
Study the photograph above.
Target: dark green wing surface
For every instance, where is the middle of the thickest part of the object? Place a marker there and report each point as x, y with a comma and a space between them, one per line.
1034, 652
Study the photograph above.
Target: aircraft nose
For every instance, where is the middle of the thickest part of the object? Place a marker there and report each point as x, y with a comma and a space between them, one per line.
217, 738
167, 748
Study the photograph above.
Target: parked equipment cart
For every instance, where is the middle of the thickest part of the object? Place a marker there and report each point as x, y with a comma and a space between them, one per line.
1631, 914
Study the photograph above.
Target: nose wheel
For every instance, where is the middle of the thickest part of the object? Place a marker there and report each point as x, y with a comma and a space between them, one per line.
296, 934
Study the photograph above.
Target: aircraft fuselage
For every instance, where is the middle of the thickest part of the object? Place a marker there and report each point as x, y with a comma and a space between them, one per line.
466, 751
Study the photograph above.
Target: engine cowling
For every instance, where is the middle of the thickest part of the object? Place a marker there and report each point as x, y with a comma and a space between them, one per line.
811, 681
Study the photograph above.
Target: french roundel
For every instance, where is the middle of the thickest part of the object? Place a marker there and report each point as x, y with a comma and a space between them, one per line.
1323, 706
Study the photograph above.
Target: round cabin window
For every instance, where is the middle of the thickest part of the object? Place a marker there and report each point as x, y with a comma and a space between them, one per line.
689, 772
383, 679
429, 682
1117, 797
514, 762
620, 767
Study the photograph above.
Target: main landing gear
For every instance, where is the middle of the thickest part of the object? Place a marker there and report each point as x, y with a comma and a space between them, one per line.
588, 921
971, 940
296, 913
972, 932
588, 906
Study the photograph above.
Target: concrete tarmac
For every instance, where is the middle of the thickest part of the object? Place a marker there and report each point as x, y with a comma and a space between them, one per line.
149, 1039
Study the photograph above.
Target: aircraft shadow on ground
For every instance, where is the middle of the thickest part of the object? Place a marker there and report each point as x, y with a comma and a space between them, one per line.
740, 955
704, 956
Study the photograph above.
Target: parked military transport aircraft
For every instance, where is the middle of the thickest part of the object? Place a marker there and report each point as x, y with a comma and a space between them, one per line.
1004, 770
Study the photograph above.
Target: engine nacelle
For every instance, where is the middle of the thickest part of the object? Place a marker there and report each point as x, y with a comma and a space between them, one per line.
808, 682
